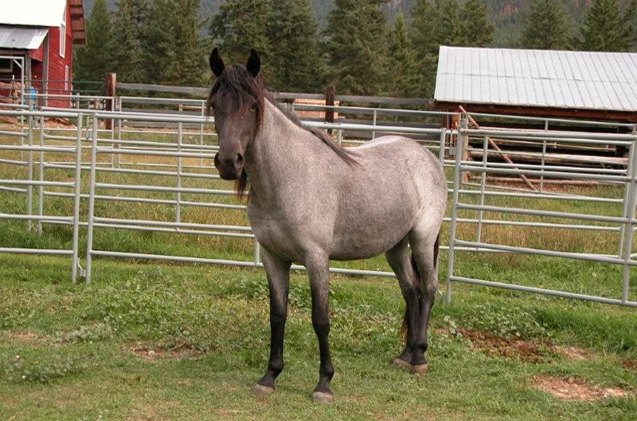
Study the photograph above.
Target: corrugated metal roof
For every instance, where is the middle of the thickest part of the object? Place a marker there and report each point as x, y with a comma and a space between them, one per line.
537, 78
21, 37
33, 12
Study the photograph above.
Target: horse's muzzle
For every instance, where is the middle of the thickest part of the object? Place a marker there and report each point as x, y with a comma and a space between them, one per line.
229, 167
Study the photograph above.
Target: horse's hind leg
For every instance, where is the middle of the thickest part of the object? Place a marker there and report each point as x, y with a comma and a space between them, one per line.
278, 273
399, 258
424, 248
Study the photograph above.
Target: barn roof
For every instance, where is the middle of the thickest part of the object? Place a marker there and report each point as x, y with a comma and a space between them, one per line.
537, 78
21, 37
34, 13
46, 13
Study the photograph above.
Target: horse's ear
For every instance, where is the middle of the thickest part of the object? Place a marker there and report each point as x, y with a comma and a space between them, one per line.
216, 63
254, 63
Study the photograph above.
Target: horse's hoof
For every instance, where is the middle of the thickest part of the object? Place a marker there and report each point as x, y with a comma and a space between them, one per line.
322, 397
419, 369
260, 390
401, 364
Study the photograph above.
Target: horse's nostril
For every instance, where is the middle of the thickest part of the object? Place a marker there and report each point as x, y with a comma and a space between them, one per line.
239, 159
217, 160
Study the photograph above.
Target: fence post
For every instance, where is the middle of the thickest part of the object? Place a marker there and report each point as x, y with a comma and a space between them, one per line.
30, 172
629, 214
330, 99
628, 206
76, 200
91, 202
110, 91
374, 120
179, 171
441, 142
257, 253
41, 178
461, 140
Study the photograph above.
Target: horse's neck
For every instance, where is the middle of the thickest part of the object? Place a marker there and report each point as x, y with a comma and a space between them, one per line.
280, 151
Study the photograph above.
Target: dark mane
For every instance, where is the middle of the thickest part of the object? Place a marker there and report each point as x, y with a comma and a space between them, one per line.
244, 89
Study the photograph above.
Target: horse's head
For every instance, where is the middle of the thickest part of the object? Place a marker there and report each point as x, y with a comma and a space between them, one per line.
236, 102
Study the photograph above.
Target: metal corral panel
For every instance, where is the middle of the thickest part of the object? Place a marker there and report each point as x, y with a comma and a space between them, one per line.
23, 38
537, 78
33, 12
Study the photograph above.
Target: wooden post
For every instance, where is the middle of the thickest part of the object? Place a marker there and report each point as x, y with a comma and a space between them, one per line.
109, 91
330, 97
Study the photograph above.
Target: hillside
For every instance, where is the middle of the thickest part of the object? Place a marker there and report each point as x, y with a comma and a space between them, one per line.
507, 15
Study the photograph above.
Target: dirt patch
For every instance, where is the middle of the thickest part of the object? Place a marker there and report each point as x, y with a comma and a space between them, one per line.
25, 337
154, 352
573, 353
528, 351
573, 389
630, 364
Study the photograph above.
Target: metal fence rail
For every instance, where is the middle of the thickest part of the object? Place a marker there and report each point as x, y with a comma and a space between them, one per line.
30, 157
169, 169
464, 201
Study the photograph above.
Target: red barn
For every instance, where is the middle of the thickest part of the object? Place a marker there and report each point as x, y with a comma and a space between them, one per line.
36, 48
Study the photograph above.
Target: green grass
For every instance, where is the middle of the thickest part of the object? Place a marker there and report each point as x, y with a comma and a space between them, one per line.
187, 342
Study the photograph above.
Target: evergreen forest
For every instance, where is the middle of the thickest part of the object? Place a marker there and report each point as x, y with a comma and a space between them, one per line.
363, 47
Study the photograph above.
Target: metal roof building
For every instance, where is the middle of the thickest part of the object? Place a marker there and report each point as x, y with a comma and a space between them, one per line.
595, 85
36, 47
24, 38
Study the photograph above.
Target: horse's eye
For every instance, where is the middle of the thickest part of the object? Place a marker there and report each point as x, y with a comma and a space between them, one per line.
254, 107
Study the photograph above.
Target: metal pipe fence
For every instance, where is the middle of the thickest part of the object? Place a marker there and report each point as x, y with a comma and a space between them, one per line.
617, 218
161, 181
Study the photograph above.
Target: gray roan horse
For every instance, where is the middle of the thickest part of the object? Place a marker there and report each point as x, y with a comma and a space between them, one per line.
311, 200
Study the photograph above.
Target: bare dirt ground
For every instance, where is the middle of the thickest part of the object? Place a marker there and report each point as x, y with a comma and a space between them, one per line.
562, 388
573, 389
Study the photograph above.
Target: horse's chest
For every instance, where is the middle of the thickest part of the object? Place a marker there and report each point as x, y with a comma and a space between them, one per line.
277, 233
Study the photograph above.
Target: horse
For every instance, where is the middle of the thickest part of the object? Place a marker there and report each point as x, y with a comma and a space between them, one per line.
311, 200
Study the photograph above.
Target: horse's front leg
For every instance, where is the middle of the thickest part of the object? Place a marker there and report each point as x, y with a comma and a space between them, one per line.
278, 272
317, 266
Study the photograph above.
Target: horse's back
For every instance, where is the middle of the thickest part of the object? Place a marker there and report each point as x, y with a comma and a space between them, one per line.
404, 158
396, 185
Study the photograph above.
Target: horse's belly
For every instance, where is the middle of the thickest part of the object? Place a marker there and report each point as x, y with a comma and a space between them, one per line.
357, 251
353, 240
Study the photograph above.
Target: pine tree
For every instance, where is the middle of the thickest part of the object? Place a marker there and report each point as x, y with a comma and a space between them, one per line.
448, 27
295, 57
188, 64
548, 26
423, 38
93, 61
602, 30
476, 29
156, 39
241, 25
127, 57
629, 23
356, 46
401, 74
433, 24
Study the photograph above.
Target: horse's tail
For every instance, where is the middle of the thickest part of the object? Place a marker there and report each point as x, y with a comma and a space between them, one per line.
403, 327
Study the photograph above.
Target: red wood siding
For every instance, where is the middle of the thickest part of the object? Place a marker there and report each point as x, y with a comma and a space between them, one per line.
57, 84
56, 81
